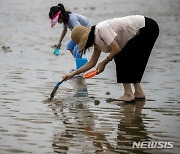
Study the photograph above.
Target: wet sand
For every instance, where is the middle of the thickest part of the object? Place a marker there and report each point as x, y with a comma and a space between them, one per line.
81, 119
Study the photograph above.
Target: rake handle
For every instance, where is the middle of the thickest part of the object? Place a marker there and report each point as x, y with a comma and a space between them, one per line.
56, 88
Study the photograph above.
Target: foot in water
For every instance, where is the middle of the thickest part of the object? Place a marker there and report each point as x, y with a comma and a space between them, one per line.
125, 98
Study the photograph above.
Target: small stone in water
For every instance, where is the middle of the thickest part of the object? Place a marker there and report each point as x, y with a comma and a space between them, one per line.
109, 100
96, 102
108, 93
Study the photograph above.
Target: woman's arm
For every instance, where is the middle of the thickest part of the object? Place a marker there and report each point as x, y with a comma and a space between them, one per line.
92, 62
62, 37
115, 49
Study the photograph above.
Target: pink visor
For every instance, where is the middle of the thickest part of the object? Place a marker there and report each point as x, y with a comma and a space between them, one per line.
54, 19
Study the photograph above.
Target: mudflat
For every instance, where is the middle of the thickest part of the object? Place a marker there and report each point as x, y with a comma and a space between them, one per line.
81, 118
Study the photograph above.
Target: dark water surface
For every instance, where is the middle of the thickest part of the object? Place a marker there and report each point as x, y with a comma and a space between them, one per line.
81, 119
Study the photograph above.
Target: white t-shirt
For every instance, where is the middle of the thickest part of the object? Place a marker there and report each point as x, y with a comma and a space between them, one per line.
121, 29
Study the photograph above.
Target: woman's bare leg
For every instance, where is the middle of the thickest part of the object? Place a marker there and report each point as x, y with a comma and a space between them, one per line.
71, 51
139, 93
128, 94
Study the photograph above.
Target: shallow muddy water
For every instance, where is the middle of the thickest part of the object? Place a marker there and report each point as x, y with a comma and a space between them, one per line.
81, 119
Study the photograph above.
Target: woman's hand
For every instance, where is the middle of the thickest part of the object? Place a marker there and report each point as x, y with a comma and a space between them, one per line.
68, 76
58, 45
100, 68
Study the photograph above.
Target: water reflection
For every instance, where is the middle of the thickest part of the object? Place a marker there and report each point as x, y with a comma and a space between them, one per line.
75, 116
131, 127
80, 87
79, 133
79, 124
82, 131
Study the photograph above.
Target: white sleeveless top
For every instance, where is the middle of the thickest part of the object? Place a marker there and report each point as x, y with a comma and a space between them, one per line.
121, 29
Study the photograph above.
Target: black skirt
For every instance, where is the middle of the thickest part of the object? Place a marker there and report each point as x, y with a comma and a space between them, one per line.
131, 61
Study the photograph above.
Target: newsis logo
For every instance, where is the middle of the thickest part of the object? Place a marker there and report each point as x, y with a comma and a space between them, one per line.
153, 145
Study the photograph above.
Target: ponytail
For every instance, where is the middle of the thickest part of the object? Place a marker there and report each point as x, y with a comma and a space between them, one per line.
64, 14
